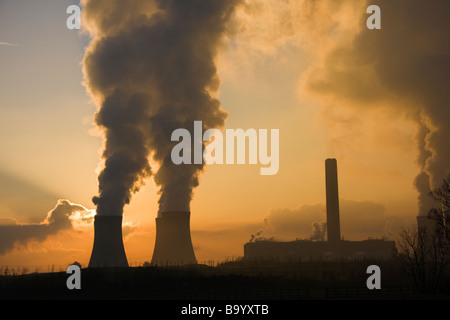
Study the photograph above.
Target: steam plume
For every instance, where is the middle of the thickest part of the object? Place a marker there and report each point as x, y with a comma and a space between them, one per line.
319, 230
404, 68
150, 67
399, 72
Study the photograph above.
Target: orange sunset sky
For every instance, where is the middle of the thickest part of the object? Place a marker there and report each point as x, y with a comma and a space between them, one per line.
334, 89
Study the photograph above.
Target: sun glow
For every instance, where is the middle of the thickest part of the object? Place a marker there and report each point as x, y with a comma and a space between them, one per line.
82, 219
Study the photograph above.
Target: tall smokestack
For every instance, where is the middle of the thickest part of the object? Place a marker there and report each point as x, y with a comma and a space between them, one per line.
108, 250
173, 245
332, 197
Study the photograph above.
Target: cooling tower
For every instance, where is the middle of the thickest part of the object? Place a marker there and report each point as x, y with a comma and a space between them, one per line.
426, 222
332, 198
173, 245
108, 250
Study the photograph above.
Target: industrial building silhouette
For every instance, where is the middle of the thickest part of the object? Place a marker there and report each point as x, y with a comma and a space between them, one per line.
108, 249
173, 245
334, 247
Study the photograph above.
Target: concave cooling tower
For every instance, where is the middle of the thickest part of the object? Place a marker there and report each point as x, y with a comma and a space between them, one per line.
427, 222
108, 250
332, 197
173, 245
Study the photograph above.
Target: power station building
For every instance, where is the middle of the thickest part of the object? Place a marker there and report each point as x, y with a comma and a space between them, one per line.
334, 247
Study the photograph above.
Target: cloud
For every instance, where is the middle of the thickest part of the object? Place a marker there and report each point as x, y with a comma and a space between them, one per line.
359, 220
58, 219
8, 44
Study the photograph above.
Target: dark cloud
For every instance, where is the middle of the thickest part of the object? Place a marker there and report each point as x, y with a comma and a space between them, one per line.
151, 67
58, 219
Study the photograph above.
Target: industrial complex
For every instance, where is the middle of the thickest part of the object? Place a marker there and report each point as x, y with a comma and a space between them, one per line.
334, 247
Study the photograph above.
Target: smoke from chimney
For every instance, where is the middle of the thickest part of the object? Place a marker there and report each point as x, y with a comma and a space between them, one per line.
150, 68
401, 69
318, 231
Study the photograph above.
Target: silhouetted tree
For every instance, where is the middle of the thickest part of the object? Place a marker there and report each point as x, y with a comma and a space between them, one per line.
441, 214
425, 251
423, 255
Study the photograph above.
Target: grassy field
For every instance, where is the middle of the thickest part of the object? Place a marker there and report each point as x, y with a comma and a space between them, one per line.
235, 280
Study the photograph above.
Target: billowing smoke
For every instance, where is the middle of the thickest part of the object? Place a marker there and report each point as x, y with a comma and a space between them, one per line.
151, 69
402, 69
419, 69
58, 219
367, 81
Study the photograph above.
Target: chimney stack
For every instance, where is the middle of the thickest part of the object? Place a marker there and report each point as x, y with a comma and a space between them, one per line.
332, 198
173, 245
108, 250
